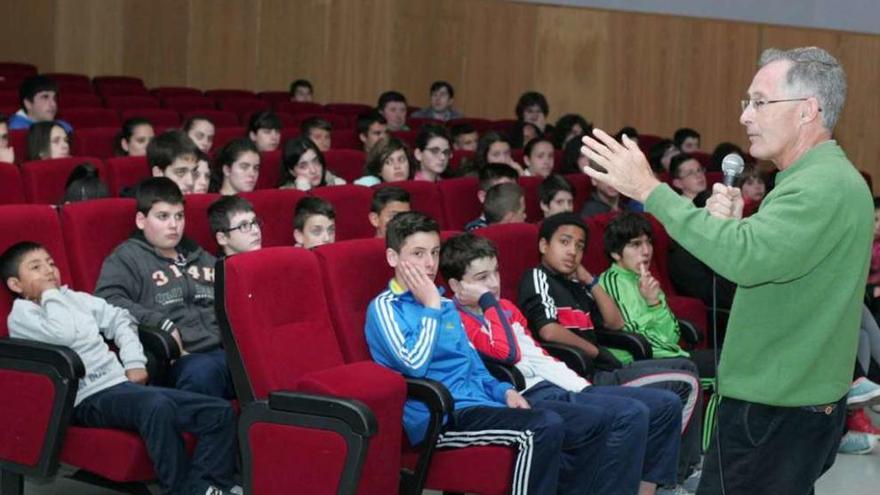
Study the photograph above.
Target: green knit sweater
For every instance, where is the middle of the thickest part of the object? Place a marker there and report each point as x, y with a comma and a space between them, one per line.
800, 263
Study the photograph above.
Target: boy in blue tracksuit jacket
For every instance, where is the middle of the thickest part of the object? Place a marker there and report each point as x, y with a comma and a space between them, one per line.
411, 329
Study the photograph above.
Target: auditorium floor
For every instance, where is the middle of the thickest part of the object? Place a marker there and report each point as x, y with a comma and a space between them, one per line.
851, 475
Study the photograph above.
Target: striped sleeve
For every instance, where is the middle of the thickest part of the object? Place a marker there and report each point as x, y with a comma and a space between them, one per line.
397, 345
535, 301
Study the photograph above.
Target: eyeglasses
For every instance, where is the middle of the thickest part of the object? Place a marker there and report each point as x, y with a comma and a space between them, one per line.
439, 151
759, 104
246, 227
691, 173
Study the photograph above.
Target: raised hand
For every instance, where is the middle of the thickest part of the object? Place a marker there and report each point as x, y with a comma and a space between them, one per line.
649, 287
420, 285
626, 168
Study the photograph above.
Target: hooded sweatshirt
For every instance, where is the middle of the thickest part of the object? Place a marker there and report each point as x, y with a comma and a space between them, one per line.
164, 293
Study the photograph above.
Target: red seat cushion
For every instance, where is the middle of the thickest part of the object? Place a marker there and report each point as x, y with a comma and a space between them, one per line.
517, 245
92, 230
11, 191
275, 207
90, 117
460, 201
125, 102
125, 171
159, 117
197, 226
96, 141
424, 197
44, 180
270, 169
352, 206
486, 470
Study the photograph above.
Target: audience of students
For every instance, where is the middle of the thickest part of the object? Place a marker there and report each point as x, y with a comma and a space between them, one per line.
47, 140
442, 100
387, 161
235, 225
38, 97
134, 137
432, 153
236, 168
314, 223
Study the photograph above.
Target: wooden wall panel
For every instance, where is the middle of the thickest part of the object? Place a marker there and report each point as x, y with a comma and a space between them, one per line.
655, 72
27, 32
156, 37
89, 37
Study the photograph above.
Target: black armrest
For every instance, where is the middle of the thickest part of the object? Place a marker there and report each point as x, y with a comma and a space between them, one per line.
440, 403
66, 362
352, 412
573, 357
689, 332
505, 372
160, 344
633, 343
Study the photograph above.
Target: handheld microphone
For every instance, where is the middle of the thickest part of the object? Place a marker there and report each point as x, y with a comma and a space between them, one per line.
732, 166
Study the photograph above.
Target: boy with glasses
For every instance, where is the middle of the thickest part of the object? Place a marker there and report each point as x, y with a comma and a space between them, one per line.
235, 225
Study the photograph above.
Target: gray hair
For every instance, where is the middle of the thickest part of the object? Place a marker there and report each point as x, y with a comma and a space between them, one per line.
814, 72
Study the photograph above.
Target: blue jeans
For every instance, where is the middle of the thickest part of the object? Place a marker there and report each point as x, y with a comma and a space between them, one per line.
160, 415
643, 438
769, 449
203, 373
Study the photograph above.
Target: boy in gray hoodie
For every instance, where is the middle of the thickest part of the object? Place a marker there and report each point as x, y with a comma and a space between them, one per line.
112, 394
166, 281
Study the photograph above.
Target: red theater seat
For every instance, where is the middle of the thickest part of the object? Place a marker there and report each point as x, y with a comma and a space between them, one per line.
197, 227
81, 118
275, 207
125, 172
348, 164
517, 245
217, 117
485, 470
9, 98
424, 197
44, 180
222, 94
348, 109
11, 191
481, 125
297, 107
458, 156
163, 92
188, 103
159, 117
243, 107
291, 378
92, 230
83, 100
337, 121
583, 188
76, 88
408, 137
68, 77
352, 206
270, 169
19, 69
274, 97
223, 135
529, 186
125, 102
460, 203
345, 139
96, 141
18, 142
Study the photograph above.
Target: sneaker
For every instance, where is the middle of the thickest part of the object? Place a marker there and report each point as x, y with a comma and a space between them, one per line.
857, 443
672, 490
692, 482
213, 490
858, 420
876, 408
236, 490
863, 392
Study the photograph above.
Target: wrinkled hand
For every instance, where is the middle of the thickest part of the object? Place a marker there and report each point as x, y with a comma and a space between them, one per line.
422, 287
515, 400
137, 375
7, 154
626, 168
725, 202
649, 287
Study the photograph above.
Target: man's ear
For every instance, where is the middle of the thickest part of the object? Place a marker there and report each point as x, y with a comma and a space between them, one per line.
418, 154
616, 257
124, 144
374, 219
28, 105
298, 237
544, 208
157, 172
676, 183
14, 285
392, 257
481, 195
455, 285
363, 138
542, 246
140, 220
252, 135
221, 238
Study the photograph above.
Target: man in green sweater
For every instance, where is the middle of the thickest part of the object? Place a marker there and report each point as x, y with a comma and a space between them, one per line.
800, 263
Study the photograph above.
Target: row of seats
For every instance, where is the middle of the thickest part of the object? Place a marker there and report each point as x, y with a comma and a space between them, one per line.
277, 348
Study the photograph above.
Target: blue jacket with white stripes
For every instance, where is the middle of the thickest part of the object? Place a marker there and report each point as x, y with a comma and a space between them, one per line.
421, 342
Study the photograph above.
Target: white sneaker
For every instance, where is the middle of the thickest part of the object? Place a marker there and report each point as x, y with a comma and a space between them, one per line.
862, 393
857, 443
236, 490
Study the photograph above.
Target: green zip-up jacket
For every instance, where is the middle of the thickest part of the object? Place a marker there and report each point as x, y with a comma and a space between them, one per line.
800, 264
655, 323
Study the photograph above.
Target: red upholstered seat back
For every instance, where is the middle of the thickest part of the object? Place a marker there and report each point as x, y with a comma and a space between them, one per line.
348, 164
125, 171
354, 273
81, 118
96, 141
160, 118
37, 223
352, 206
92, 230
197, 227
270, 169
125, 102
223, 135
44, 180
345, 139
582, 189
424, 197
188, 103
529, 186
11, 191
517, 245
274, 300
460, 201
275, 207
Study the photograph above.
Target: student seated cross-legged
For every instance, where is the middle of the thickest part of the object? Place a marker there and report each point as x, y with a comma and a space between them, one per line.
643, 424
166, 281
112, 394
412, 329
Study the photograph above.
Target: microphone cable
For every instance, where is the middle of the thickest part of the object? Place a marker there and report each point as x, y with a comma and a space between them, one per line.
717, 391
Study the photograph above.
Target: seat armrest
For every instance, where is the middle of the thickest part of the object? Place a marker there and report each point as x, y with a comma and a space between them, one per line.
62, 359
633, 343
158, 343
689, 332
440, 403
576, 359
505, 373
352, 412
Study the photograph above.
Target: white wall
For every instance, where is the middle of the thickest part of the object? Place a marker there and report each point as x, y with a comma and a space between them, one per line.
844, 15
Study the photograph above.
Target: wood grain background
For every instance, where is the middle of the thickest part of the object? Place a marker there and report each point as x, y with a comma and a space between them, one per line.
655, 72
